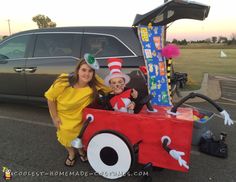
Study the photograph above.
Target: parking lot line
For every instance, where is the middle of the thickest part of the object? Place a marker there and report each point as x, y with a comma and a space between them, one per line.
227, 103
26, 121
229, 93
228, 84
225, 87
228, 99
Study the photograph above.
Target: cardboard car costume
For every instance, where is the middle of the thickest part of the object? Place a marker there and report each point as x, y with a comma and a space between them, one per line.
146, 128
113, 139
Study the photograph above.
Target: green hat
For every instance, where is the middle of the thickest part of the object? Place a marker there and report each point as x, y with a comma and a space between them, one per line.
91, 61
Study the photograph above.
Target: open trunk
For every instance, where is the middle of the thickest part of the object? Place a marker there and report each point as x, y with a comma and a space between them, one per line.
171, 11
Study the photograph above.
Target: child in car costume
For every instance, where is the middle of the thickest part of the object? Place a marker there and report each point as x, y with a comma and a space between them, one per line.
121, 98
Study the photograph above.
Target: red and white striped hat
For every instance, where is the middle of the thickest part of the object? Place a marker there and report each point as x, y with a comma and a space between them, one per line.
114, 65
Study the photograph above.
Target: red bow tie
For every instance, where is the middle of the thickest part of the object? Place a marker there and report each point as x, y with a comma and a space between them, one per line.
118, 99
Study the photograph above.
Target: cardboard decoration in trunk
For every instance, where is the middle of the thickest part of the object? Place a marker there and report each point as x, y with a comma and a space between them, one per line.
151, 38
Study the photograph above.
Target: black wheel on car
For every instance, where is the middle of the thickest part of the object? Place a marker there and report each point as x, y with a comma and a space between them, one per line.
110, 154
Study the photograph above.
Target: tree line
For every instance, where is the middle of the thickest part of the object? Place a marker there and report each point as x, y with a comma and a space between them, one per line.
213, 40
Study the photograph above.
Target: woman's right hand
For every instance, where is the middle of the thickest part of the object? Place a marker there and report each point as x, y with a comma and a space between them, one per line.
52, 105
57, 122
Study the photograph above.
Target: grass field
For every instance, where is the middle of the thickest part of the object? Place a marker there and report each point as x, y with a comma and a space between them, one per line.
196, 62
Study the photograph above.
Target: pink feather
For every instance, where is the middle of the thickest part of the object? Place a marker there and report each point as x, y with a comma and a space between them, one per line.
170, 51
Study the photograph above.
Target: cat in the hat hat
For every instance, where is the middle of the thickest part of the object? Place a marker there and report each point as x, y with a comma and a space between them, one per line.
120, 98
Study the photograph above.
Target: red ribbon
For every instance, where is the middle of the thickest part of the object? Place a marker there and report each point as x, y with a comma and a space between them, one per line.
118, 99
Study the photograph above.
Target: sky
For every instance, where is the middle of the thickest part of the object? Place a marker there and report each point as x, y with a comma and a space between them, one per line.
221, 20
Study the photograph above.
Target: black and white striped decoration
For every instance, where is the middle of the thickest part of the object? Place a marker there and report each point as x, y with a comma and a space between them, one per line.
168, 65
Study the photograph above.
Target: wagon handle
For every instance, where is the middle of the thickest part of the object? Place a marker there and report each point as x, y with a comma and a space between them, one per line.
223, 113
191, 96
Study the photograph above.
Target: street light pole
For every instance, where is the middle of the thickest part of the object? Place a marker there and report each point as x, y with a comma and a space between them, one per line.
9, 26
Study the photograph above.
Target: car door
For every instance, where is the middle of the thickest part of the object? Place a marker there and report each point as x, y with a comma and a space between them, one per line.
171, 11
54, 53
105, 45
12, 64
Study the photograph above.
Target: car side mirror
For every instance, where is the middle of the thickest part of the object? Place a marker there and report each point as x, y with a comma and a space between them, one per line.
3, 57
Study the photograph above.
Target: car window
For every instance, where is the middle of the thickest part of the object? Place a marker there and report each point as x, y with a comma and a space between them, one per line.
50, 45
14, 48
104, 46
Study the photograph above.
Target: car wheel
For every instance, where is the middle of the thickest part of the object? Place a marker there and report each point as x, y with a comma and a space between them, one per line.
110, 154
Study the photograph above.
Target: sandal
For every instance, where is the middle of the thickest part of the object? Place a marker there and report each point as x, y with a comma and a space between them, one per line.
72, 161
82, 156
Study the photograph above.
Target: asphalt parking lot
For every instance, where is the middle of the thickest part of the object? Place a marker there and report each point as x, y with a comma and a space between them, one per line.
28, 147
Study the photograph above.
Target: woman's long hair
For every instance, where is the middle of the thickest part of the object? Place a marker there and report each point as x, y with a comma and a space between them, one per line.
73, 78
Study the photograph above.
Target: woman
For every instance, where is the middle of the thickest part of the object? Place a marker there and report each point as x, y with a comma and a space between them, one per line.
67, 97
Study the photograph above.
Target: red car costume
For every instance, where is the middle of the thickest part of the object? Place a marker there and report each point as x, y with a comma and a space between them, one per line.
145, 129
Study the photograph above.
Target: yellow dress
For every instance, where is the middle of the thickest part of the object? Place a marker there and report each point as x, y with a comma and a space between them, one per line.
70, 104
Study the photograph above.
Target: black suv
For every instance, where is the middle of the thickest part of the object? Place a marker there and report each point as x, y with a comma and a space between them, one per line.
31, 60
